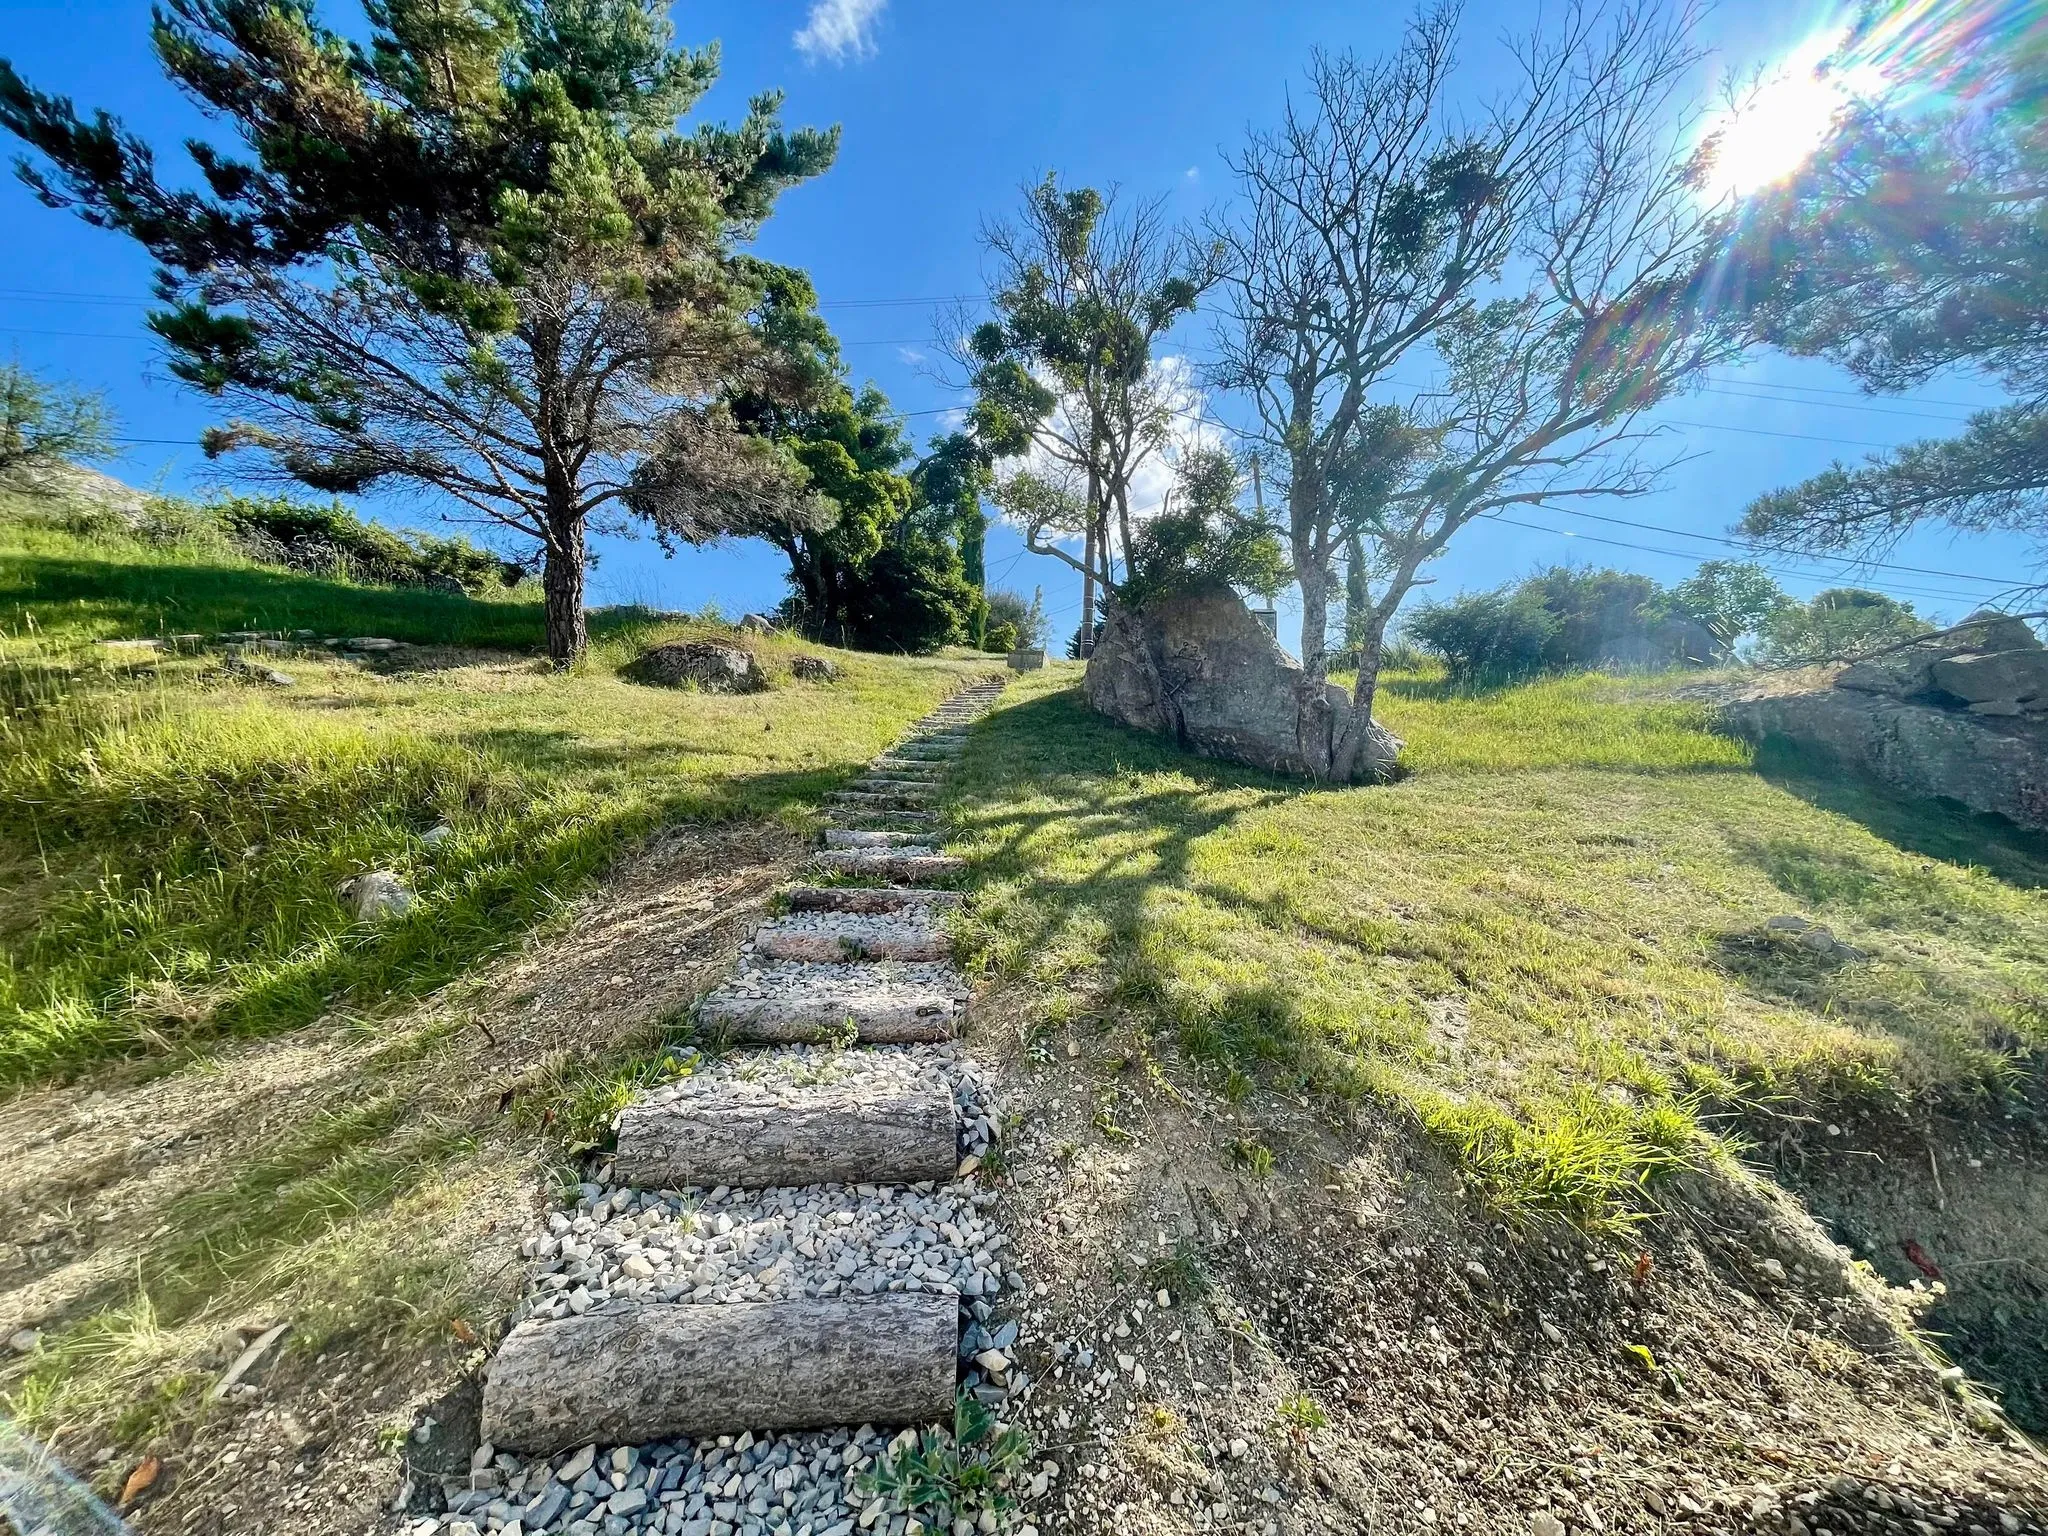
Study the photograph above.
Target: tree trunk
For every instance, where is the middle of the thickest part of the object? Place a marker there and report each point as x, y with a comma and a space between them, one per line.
1315, 724
562, 589
1357, 603
1088, 590
1358, 722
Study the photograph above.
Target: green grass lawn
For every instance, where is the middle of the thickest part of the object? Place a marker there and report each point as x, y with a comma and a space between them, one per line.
58, 587
1544, 943
170, 840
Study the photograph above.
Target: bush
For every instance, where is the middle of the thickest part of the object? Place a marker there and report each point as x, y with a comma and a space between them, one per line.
1561, 620
1840, 624
1026, 619
1491, 636
330, 540
1001, 638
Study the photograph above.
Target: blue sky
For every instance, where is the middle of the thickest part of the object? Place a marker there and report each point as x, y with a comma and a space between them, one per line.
946, 109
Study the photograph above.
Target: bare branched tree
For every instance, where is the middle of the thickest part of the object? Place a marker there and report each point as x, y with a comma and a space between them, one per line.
1549, 262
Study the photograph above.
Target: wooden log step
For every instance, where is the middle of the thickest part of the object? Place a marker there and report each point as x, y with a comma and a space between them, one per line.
918, 769
629, 1374
877, 799
784, 1001
851, 937
857, 1129
866, 898
888, 864
851, 837
877, 818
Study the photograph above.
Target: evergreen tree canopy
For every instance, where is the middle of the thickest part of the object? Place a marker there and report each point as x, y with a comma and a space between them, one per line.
1203, 539
1910, 246
473, 254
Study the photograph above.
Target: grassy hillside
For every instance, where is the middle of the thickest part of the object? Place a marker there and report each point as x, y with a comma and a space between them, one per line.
171, 834
1546, 943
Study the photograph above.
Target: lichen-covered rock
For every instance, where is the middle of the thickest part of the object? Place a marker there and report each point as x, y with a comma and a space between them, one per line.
711, 665
2002, 682
813, 669
1202, 670
375, 896
1988, 764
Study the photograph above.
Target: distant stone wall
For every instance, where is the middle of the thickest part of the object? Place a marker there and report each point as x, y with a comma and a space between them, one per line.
1962, 716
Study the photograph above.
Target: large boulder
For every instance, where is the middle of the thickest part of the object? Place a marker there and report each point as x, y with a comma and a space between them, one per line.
1992, 664
709, 665
1202, 670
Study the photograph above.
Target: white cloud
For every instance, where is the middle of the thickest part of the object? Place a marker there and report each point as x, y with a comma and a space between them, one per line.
910, 355
1193, 173
1173, 381
839, 30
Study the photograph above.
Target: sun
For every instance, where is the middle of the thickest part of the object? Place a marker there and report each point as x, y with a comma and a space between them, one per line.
1778, 124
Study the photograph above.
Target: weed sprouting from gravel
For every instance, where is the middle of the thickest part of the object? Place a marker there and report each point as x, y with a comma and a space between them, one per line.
958, 1473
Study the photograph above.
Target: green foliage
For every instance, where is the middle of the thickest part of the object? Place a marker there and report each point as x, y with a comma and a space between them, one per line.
874, 562
1729, 599
1487, 635
1202, 539
1252, 1155
330, 539
1840, 624
912, 597
465, 249
947, 1476
43, 423
1907, 247
1025, 619
1300, 1416
1561, 619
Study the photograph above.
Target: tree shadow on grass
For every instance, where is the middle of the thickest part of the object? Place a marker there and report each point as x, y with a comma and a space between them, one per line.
136, 597
1935, 829
1054, 748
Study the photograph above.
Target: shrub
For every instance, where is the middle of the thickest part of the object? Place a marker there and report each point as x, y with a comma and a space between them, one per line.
1840, 624
1027, 619
1566, 619
1487, 635
331, 540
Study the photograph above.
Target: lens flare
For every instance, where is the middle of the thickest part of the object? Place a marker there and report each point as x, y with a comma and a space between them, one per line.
1785, 116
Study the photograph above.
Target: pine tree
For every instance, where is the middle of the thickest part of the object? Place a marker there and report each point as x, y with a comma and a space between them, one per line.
1908, 247
474, 255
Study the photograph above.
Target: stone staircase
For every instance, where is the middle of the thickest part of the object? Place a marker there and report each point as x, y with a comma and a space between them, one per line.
787, 1242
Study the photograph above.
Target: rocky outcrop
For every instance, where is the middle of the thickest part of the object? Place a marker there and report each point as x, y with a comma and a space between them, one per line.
1961, 715
709, 665
1202, 670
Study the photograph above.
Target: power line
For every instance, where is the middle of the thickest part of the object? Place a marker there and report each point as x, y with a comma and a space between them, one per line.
1680, 554
1845, 560
1824, 405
